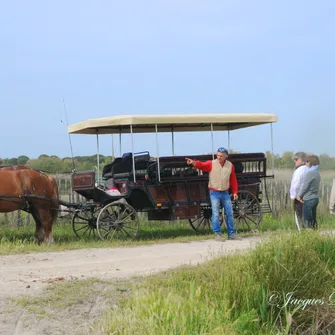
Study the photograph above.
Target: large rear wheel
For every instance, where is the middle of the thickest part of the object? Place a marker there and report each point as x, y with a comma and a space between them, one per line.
117, 220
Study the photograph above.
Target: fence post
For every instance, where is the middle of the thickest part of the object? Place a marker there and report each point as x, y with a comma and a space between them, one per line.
28, 219
12, 218
19, 218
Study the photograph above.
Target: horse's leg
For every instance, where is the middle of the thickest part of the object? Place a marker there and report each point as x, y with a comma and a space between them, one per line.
39, 232
46, 221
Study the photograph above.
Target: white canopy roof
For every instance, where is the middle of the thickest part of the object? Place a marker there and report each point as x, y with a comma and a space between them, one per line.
169, 122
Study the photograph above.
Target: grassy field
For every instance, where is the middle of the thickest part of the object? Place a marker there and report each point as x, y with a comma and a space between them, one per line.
286, 175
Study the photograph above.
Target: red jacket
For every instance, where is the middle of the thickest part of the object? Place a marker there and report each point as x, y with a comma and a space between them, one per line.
207, 167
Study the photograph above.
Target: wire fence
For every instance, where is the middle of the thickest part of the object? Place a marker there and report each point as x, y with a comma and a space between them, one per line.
276, 191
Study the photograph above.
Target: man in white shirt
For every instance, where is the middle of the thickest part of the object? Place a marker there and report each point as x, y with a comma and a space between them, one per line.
297, 179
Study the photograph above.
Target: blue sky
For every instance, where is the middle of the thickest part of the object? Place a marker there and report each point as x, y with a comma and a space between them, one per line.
145, 57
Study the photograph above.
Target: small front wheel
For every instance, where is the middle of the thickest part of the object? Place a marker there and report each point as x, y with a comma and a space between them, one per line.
117, 219
203, 224
84, 222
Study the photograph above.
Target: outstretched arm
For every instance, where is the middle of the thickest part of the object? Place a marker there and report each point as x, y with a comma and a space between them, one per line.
203, 166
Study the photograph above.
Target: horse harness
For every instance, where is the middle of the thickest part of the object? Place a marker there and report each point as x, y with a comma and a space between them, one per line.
25, 197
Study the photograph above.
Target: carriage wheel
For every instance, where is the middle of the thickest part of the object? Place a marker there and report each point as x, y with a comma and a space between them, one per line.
203, 224
247, 211
117, 219
84, 222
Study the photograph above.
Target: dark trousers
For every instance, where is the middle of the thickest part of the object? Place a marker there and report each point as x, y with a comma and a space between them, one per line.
309, 213
297, 207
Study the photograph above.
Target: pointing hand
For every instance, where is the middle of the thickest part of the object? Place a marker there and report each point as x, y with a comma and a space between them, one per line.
190, 161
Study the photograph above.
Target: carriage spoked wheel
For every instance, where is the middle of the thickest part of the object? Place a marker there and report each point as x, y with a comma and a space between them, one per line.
247, 211
117, 219
84, 222
203, 224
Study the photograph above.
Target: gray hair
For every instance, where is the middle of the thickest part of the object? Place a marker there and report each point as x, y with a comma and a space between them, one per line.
300, 155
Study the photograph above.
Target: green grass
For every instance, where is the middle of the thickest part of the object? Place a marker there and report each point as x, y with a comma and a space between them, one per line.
21, 239
285, 222
231, 295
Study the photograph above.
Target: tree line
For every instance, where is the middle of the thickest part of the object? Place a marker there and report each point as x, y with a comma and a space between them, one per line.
55, 164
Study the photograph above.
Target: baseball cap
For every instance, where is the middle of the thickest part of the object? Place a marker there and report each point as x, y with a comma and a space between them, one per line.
223, 150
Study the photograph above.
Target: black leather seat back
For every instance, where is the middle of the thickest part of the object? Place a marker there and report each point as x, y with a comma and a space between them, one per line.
108, 169
125, 165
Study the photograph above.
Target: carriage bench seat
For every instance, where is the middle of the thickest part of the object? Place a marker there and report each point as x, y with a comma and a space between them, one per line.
124, 164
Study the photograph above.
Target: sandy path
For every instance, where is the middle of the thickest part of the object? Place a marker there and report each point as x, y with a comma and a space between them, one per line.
35, 270
30, 273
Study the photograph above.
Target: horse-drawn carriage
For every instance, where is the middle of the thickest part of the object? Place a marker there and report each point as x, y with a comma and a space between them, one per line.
166, 188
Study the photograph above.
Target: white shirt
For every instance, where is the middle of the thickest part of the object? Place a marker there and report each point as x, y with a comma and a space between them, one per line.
297, 180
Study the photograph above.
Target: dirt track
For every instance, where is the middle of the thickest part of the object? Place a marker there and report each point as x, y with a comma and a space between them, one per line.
31, 273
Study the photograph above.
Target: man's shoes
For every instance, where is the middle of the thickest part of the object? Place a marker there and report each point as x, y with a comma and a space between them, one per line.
234, 237
219, 237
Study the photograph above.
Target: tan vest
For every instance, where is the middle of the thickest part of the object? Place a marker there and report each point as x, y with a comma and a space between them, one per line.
219, 177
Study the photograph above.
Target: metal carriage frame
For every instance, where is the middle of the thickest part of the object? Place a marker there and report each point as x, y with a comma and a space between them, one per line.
165, 187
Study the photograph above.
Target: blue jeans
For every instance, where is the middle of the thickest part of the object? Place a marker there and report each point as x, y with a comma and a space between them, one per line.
216, 199
309, 213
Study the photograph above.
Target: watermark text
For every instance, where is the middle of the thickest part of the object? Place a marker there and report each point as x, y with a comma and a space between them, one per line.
290, 299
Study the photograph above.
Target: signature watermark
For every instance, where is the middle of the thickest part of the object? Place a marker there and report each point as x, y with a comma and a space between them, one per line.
281, 300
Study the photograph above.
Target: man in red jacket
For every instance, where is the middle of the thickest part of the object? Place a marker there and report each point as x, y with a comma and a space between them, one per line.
222, 177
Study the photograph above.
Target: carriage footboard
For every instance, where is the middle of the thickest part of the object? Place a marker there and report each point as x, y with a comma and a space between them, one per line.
73, 205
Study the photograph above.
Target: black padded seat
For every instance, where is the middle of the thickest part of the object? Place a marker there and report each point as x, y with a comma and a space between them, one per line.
107, 169
124, 165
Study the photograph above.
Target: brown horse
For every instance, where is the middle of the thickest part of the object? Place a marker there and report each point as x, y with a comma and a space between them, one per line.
32, 191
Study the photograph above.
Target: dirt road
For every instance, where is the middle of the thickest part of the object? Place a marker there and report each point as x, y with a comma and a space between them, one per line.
31, 273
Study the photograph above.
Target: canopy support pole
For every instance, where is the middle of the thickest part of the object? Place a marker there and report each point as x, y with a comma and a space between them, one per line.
212, 136
157, 151
120, 144
98, 159
272, 153
172, 134
113, 151
274, 205
132, 152
228, 139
